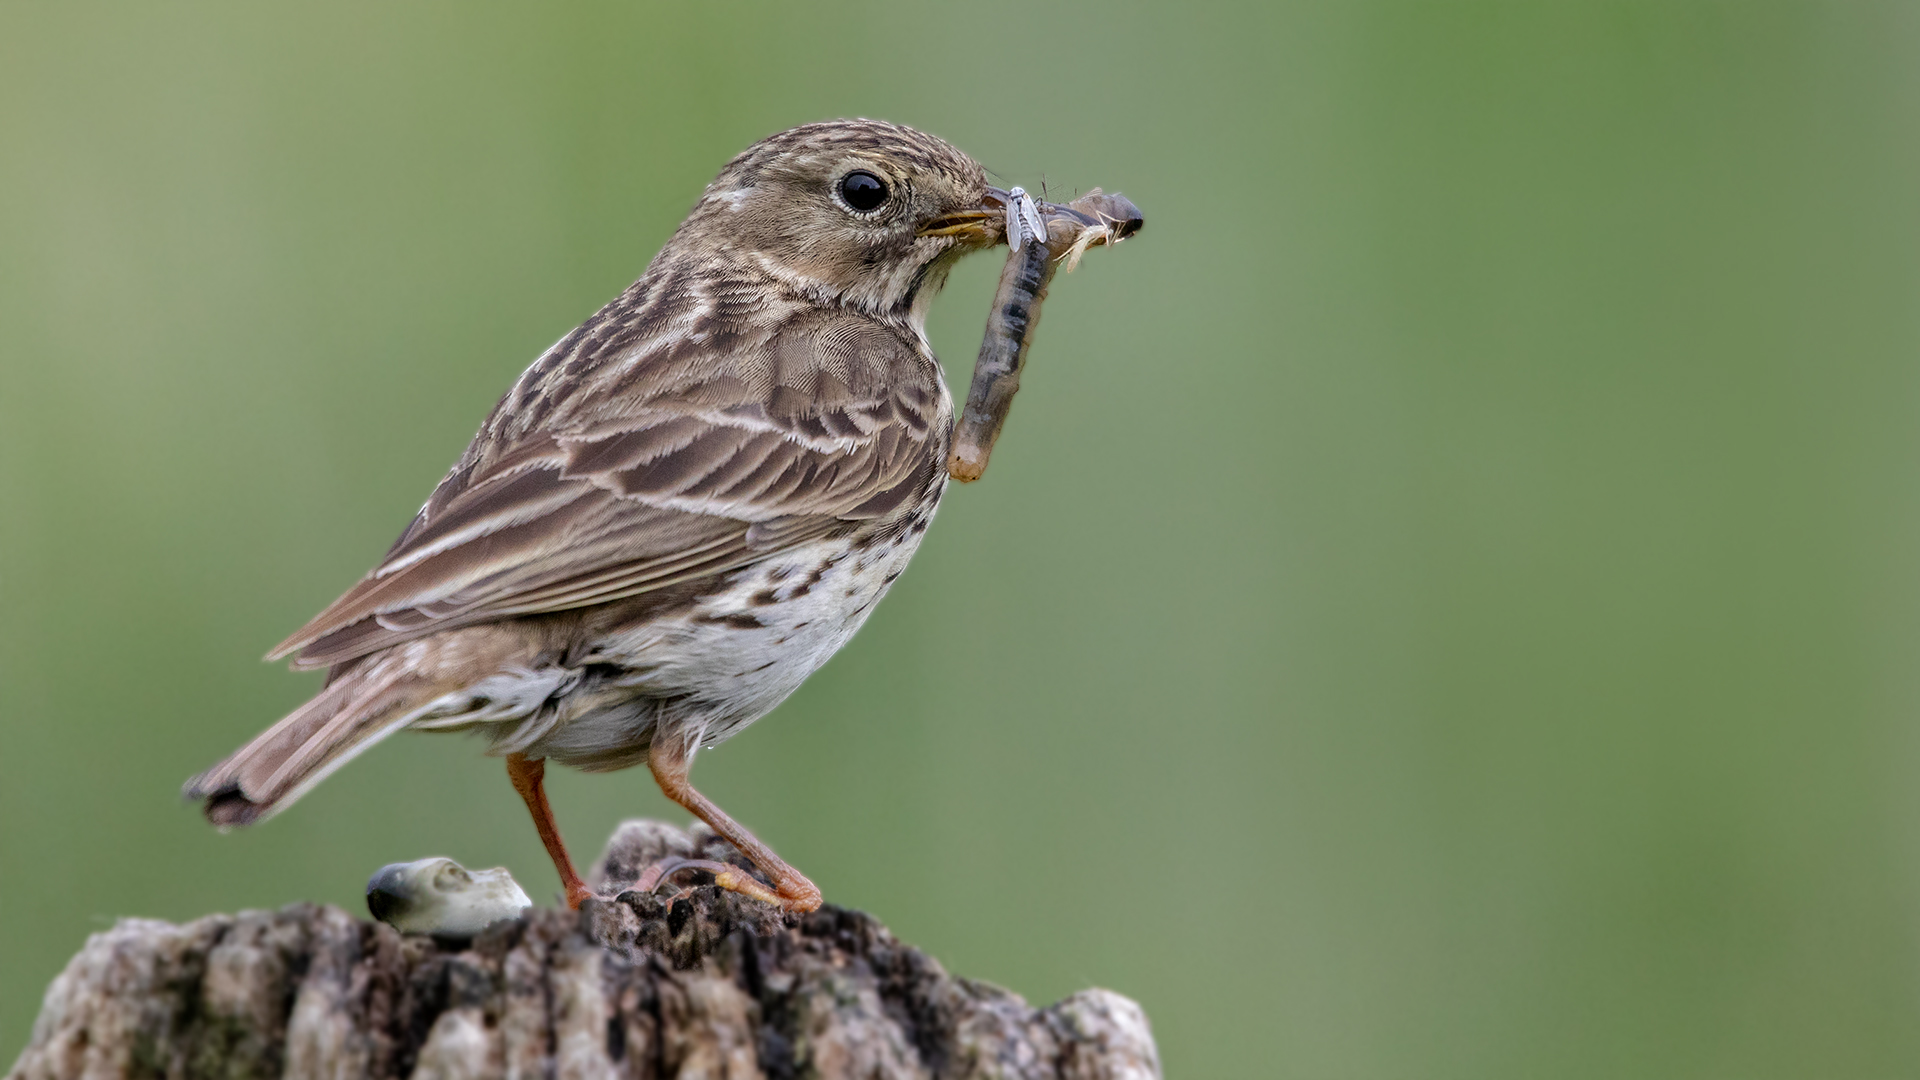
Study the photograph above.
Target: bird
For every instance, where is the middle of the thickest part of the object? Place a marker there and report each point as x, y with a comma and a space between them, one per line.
678, 512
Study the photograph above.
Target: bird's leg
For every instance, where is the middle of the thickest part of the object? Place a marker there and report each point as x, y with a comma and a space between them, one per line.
671, 760
527, 776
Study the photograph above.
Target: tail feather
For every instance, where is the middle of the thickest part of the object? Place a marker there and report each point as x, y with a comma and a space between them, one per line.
355, 710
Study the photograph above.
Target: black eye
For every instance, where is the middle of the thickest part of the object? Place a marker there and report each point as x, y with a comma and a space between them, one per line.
863, 191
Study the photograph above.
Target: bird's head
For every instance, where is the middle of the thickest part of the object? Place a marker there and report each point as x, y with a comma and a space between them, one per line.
857, 212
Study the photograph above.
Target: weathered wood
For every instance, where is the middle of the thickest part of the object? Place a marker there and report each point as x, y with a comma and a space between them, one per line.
709, 985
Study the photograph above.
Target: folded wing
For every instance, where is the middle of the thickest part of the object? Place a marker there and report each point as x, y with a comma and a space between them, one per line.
664, 464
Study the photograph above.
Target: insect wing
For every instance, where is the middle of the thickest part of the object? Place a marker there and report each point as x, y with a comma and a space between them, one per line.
1032, 213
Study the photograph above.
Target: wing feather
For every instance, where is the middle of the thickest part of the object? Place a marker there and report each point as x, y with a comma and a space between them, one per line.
670, 464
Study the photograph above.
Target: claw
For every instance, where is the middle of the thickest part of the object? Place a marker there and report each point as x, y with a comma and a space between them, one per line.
725, 875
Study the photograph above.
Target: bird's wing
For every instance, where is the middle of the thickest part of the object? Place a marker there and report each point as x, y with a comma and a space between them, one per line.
654, 467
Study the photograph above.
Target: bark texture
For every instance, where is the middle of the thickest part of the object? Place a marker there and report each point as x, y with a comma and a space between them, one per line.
703, 985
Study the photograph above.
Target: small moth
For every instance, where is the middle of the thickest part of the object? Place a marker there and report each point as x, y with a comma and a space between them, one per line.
1034, 231
1023, 219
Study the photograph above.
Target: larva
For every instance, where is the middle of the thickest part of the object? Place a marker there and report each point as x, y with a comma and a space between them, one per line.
1035, 232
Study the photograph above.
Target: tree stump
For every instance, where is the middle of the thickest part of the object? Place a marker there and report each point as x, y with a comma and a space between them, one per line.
706, 984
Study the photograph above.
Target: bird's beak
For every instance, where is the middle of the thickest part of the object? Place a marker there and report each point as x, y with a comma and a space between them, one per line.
986, 224
982, 226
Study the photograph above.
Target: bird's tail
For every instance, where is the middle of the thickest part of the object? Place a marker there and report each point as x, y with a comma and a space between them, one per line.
358, 708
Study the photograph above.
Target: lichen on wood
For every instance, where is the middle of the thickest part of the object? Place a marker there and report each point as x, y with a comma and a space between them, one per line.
707, 984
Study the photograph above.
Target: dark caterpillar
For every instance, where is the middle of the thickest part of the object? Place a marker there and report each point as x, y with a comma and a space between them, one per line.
1089, 221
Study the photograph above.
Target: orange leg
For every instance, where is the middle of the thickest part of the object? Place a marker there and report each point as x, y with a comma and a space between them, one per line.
670, 762
527, 776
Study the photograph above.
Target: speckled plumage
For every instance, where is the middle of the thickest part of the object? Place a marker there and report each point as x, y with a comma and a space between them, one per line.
680, 510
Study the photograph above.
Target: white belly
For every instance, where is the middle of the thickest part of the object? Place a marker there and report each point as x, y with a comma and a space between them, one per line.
700, 673
806, 604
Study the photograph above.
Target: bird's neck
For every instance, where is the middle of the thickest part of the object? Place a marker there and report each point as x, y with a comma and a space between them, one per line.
899, 297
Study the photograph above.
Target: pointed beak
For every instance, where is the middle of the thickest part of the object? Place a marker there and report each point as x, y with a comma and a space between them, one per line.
986, 224
979, 226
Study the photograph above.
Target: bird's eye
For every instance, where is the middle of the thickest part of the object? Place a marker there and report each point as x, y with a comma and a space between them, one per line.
863, 191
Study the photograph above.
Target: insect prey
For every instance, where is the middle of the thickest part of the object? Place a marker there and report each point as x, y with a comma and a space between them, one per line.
1034, 231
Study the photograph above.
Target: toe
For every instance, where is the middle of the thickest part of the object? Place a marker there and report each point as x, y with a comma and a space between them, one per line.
799, 896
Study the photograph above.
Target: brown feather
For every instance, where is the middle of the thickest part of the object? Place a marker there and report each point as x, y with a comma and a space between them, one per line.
825, 417
350, 714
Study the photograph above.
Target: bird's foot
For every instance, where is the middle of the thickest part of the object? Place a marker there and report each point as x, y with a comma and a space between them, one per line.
800, 895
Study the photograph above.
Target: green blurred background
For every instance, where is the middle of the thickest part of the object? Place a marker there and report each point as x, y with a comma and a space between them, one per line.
1446, 604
